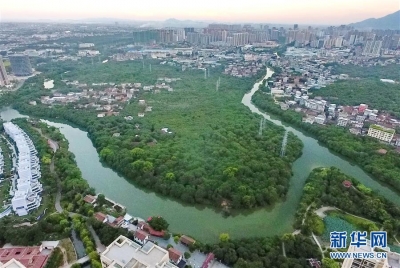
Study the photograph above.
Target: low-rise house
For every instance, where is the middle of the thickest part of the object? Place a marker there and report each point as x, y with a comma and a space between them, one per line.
186, 240
342, 121
90, 199
320, 119
175, 256
381, 133
141, 237
101, 217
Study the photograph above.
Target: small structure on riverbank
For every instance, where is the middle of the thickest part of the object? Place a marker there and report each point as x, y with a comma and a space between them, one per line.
347, 184
186, 240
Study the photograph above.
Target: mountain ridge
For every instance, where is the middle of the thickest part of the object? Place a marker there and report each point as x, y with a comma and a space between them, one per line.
388, 22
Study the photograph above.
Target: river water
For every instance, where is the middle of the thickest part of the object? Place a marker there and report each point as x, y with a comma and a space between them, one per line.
202, 222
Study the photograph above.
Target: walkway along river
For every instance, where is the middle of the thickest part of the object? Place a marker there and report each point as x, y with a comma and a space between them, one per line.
205, 223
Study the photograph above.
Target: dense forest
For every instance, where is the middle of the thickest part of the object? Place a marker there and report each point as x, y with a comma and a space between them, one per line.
378, 95
390, 71
360, 149
324, 187
267, 252
215, 153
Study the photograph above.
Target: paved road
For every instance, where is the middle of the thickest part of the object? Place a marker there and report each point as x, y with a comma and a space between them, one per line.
99, 246
54, 145
321, 211
319, 245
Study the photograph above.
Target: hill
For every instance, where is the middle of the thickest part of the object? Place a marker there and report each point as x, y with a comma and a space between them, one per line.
391, 21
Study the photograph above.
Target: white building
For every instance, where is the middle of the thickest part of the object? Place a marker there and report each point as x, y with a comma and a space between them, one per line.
320, 119
381, 133
86, 45
315, 105
123, 252
342, 121
26, 195
392, 261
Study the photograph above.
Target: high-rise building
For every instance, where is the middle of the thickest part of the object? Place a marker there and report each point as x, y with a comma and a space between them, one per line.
146, 36
3, 74
193, 38
240, 39
372, 48
20, 64
296, 27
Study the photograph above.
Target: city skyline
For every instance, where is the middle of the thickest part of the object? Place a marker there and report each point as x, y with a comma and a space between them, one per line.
284, 12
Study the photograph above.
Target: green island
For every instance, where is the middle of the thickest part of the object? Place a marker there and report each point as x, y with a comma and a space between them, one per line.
76, 215
214, 154
360, 149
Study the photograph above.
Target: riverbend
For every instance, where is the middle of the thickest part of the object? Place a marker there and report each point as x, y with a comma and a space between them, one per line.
202, 222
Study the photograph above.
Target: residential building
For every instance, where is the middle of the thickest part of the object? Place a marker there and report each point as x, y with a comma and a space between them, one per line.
20, 64
24, 257
381, 133
86, 45
141, 237
175, 256
126, 253
320, 119
26, 194
3, 74
342, 121
392, 261
13, 263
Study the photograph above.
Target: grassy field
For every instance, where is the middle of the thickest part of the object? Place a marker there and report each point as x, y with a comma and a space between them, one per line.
69, 249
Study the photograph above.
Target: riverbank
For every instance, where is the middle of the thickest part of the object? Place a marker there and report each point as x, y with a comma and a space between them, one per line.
195, 220
364, 151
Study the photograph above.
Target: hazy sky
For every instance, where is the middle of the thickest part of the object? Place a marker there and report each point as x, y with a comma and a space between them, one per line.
278, 11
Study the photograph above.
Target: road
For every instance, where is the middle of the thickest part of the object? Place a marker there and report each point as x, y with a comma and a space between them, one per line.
99, 246
54, 146
319, 245
321, 211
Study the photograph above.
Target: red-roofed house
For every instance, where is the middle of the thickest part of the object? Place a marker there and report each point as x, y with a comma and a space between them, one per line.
13, 263
117, 222
208, 260
141, 237
144, 226
29, 257
89, 199
100, 217
175, 255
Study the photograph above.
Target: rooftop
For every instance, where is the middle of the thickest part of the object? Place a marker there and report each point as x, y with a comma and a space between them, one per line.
30, 257
127, 254
381, 128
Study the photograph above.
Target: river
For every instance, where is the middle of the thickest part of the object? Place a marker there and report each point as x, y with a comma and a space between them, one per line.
202, 222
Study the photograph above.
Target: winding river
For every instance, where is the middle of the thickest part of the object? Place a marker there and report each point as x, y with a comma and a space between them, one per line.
203, 222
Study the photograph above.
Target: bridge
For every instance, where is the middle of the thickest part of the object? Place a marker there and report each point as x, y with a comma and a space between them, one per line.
80, 261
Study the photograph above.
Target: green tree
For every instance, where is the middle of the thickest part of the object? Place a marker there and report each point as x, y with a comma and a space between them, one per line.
186, 255
224, 237
158, 223
329, 263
